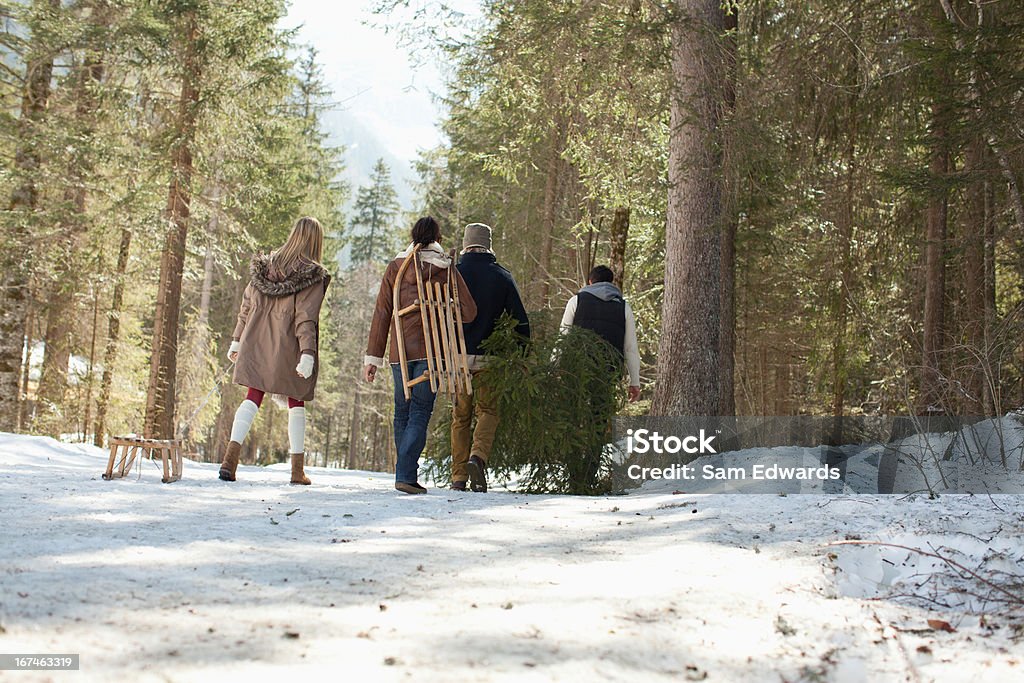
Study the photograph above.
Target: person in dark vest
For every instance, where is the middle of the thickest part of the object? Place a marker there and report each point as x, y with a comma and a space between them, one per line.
600, 307
495, 293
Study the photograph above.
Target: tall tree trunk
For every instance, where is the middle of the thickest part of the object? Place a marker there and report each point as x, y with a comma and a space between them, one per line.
689, 372
845, 216
113, 336
841, 299
30, 319
931, 396
1013, 189
327, 439
549, 212
992, 404
163, 366
730, 225
974, 238
14, 273
619, 236
209, 262
89, 380
53, 381
355, 431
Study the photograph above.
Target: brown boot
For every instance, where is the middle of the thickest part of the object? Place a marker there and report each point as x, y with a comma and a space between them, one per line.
477, 469
230, 464
298, 476
412, 489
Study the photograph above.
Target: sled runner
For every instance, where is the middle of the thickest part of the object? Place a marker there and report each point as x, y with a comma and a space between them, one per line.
441, 317
124, 450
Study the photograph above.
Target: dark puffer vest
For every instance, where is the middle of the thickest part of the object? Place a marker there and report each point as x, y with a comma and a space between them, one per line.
606, 317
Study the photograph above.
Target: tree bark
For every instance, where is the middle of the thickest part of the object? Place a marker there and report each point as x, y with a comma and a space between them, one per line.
549, 212
619, 236
845, 215
689, 372
113, 335
841, 306
163, 366
992, 404
355, 431
89, 381
209, 262
931, 396
973, 244
730, 225
14, 274
327, 439
53, 381
30, 319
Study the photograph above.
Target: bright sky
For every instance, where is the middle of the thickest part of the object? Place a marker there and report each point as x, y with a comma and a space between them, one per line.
371, 75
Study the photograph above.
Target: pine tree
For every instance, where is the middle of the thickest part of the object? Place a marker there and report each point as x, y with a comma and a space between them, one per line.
376, 208
556, 397
42, 19
163, 366
84, 88
689, 353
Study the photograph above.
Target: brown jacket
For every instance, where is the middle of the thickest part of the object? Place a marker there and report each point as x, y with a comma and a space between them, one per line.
279, 321
435, 266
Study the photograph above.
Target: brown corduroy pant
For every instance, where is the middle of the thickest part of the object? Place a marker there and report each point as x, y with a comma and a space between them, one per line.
466, 440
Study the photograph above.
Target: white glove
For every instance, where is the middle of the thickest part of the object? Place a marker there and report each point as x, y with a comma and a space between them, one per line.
305, 366
233, 350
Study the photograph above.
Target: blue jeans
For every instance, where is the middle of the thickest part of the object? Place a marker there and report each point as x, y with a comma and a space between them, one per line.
411, 420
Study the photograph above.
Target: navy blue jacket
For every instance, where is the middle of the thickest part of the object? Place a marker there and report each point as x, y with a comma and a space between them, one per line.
495, 292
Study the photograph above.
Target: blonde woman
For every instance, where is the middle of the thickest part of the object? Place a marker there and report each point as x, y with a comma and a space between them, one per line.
275, 342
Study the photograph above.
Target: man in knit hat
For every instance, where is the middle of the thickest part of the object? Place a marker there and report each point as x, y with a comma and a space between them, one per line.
495, 292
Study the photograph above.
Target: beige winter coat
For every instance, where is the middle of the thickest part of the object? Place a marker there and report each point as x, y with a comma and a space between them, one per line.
278, 321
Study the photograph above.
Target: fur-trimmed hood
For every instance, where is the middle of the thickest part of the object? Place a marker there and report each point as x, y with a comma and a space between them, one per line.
271, 282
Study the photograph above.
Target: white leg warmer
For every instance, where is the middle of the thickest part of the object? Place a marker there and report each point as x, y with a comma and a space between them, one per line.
297, 429
244, 416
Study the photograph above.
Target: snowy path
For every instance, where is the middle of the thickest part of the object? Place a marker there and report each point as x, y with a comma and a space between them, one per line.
202, 580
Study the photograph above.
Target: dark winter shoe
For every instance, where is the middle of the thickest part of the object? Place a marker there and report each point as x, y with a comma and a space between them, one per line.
477, 469
230, 464
458, 486
298, 476
412, 489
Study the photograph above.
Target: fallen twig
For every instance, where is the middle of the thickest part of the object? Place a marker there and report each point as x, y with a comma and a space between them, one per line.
1014, 598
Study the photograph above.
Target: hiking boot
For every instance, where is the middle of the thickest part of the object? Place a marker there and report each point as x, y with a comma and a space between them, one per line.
298, 476
230, 464
458, 486
412, 489
477, 469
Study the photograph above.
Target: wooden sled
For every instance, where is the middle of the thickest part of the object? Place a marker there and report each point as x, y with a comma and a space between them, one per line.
124, 450
441, 317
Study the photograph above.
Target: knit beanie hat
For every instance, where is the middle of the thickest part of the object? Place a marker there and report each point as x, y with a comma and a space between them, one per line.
477, 235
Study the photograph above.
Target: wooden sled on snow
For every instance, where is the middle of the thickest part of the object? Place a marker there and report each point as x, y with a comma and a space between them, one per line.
441, 317
125, 449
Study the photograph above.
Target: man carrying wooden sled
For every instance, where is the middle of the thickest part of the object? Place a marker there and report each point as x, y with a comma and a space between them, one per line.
422, 303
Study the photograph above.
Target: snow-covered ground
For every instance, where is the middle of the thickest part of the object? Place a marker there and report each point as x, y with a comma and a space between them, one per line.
349, 580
